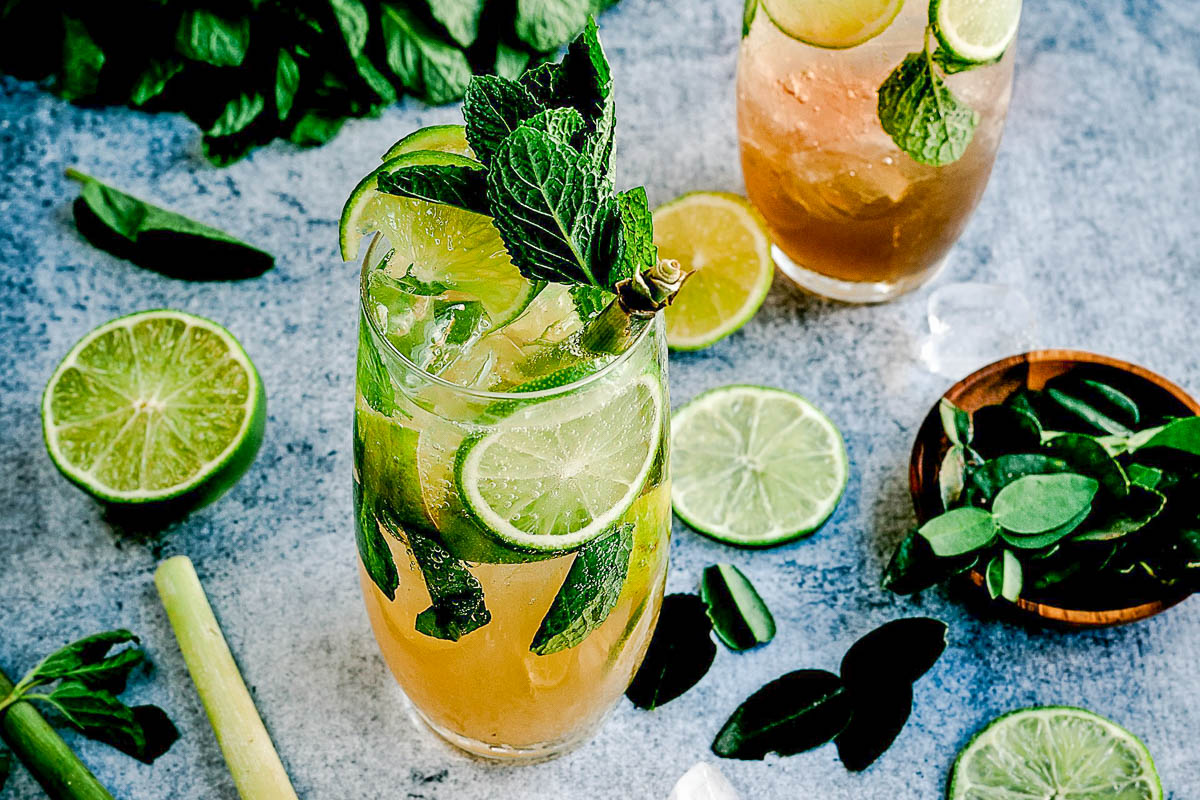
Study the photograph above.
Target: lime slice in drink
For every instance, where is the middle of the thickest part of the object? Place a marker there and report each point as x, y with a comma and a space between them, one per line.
723, 241
555, 474
443, 138
975, 30
1054, 752
156, 408
456, 248
834, 24
755, 466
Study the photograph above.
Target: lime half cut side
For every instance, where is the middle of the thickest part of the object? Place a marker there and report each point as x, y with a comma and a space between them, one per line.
975, 30
443, 138
723, 242
155, 407
555, 474
1054, 752
835, 24
755, 466
458, 249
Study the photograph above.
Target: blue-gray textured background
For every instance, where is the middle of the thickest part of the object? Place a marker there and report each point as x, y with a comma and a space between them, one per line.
1092, 211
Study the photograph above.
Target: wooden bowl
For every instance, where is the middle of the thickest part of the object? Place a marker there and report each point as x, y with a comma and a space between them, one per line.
993, 384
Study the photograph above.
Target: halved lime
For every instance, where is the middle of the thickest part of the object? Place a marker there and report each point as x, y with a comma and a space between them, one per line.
441, 243
755, 466
444, 138
834, 24
975, 30
554, 475
724, 242
1054, 752
159, 407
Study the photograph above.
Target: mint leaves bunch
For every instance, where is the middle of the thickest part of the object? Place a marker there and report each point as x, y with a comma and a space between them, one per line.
1082, 494
544, 143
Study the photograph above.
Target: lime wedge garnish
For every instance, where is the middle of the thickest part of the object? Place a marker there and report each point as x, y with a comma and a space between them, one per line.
755, 466
453, 247
444, 138
1054, 752
975, 30
555, 474
156, 407
724, 242
832, 23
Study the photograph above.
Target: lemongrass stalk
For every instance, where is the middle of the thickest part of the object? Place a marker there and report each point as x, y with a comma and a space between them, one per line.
251, 757
43, 752
638, 300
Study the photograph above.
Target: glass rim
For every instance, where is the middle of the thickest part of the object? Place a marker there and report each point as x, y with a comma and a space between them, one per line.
369, 248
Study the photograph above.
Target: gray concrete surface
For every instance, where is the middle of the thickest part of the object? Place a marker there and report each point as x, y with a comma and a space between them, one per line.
1092, 211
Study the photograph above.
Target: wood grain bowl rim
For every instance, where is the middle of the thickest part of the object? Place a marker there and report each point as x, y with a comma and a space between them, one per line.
1067, 617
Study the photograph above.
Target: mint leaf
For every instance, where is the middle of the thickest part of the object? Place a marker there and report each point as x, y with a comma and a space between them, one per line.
460, 18
636, 251
560, 123
797, 712
460, 186
287, 81
425, 64
546, 25
493, 108
315, 127
354, 23
589, 300
144, 732
510, 61
153, 80
952, 64
237, 114
548, 203
588, 594
87, 660
373, 549
922, 115
82, 60
414, 285
214, 39
458, 606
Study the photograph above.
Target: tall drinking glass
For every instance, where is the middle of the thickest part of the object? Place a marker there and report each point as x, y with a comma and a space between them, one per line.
852, 216
504, 648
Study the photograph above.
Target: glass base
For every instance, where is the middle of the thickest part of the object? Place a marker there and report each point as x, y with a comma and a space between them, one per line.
532, 754
851, 291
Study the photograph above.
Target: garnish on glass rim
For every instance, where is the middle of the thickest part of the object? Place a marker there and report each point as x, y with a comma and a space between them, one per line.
544, 144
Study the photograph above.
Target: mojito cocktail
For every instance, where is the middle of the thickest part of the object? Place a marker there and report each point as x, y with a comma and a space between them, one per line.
854, 216
511, 493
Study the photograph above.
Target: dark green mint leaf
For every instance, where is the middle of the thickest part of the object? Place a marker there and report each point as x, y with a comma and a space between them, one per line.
354, 23
739, 616
952, 64
97, 714
588, 593
797, 712
1041, 503
238, 114
373, 381
636, 251
158, 734
461, 186
82, 61
373, 550
560, 123
206, 36
1181, 434
952, 476
992, 476
589, 300
956, 423
493, 108
314, 128
960, 531
434, 69
1003, 429
914, 567
880, 713
460, 18
546, 202
547, 25
680, 653
900, 651
510, 61
1004, 576
921, 114
153, 80
1088, 457
161, 240
287, 82
1131, 514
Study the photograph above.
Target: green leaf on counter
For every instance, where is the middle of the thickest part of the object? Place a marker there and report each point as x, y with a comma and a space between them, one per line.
1004, 576
510, 61
161, 240
1041, 503
588, 594
287, 83
899, 651
315, 127
879, 714
87, 660
545, 24
740, 617
923, 117
680, 653
797, 712
153, 80
204, 35
960, 531
460, 18
237, 114
82, 60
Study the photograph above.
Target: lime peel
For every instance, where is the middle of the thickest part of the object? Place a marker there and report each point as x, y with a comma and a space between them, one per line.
832, 24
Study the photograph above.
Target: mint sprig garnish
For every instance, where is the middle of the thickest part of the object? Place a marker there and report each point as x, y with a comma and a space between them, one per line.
917, 109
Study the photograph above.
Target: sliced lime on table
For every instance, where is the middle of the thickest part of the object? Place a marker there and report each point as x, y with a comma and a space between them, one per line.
724, 242
975, 30
554, 475
444, 138
833, 24
1054, 752
156, 408
456, 248
755, 466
